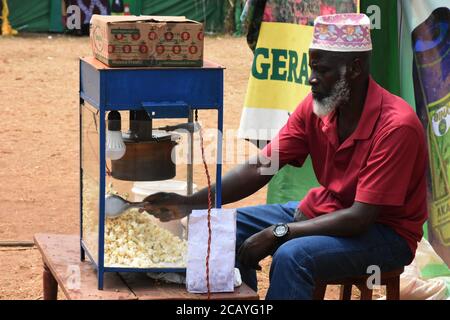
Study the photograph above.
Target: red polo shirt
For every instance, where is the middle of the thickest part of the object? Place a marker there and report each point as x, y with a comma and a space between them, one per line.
383, 162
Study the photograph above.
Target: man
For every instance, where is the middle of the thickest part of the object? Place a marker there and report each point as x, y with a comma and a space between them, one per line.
369, 154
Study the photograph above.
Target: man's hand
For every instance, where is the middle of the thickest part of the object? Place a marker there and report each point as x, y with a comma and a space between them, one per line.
167, 206
256, 248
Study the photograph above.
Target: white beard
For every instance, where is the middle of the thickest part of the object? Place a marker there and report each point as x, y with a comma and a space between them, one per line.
340, 94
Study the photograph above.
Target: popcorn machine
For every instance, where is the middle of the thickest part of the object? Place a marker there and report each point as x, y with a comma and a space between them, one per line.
121, 145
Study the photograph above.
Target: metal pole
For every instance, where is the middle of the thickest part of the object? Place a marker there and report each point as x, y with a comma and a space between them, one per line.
101, 220
219, 158
190, 155
82, 253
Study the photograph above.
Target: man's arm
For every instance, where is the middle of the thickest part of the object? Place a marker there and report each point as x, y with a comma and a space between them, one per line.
290, 146
348, 222
342, 223
237, 184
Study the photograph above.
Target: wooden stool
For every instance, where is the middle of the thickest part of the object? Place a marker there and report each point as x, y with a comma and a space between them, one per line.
389, 279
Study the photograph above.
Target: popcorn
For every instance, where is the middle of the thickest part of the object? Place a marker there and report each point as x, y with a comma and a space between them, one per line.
134, 240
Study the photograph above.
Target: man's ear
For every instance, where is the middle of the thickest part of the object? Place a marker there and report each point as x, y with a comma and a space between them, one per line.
356, 68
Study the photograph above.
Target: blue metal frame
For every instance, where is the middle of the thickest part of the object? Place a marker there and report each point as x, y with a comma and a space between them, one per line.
167, 110
163, 93
82, 251
101, 221
117, 269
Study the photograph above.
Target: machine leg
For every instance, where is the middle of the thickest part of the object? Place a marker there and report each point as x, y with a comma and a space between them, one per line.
100, 275
82, 253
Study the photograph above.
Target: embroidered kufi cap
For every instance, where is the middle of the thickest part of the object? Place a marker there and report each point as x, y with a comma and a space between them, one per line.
346, 32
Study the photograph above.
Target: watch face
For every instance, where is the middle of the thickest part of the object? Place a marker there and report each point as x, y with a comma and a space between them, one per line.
280, 230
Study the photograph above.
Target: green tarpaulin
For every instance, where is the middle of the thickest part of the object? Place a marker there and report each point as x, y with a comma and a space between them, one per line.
385, 59
291, 183
30, 15
46, 15
211, 11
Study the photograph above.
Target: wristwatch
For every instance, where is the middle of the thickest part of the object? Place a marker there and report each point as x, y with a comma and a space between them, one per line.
280, 230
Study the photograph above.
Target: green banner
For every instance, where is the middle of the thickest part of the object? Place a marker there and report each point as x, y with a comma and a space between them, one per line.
210, 12
384, 33
47, 15
425, 48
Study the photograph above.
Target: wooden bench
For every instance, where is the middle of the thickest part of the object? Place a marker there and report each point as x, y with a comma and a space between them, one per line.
61, 255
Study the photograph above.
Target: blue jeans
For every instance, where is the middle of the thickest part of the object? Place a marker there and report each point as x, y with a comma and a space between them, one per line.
298, 262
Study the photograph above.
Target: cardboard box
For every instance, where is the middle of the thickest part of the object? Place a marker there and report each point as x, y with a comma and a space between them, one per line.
120, 41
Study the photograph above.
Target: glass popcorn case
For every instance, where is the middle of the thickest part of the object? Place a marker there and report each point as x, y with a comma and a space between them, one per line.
131, 121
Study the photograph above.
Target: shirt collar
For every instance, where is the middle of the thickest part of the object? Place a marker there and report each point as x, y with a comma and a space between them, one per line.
371, 112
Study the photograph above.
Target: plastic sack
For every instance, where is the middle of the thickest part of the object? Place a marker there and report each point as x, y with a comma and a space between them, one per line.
222, 255
416, 282
180, 278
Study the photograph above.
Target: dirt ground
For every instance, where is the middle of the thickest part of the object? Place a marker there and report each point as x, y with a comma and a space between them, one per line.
39, 150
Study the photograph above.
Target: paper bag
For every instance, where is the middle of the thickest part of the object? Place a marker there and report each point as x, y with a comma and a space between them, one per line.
222, 255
